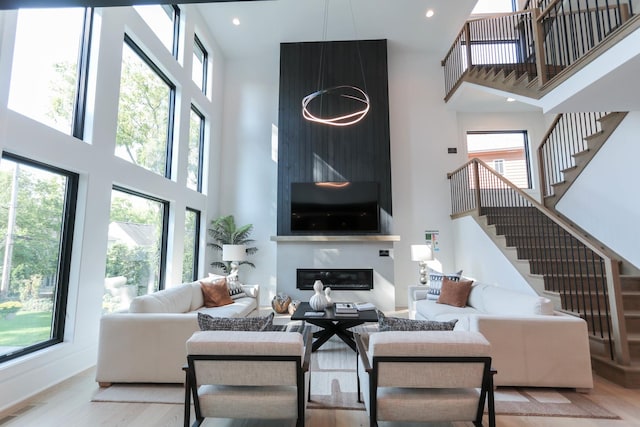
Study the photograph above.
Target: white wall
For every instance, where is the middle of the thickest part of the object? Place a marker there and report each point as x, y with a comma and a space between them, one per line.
99, 170
480, 258
604, 198
249, 174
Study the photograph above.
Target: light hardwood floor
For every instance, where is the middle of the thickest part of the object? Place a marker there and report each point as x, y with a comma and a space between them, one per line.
69, 404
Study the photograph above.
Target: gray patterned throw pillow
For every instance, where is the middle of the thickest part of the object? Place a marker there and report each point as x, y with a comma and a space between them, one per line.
398, 324
210, 323
435, 282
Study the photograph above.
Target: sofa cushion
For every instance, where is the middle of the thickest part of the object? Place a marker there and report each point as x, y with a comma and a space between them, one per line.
216, 294
234, 286
431, 311
386, 324
475, 296
210, 323
501, 301
240, 308
455, 293
171, 300
197, 299
435, 281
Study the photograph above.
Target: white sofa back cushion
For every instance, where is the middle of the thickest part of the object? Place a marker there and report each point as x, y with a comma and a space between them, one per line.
172, 300
497, 300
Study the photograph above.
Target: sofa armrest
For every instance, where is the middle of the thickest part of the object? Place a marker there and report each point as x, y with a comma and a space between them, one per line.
144, 347
540, 351
253, 291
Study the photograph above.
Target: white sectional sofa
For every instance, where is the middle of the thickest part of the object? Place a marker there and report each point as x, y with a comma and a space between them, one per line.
146, 344
531, 344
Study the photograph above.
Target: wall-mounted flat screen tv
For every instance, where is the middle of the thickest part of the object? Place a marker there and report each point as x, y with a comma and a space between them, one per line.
335, 207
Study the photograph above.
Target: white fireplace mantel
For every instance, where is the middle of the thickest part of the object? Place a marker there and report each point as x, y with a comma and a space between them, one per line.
337, 238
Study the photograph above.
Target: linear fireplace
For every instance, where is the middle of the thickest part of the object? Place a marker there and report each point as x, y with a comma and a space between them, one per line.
338, 279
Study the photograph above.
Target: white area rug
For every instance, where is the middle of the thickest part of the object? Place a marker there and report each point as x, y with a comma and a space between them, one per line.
141, 393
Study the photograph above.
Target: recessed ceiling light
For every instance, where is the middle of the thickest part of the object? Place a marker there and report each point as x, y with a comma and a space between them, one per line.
510, 99
236, 21
429, 13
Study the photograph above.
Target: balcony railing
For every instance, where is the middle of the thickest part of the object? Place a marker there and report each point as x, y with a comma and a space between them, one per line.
505, 40
541, 41
586, 279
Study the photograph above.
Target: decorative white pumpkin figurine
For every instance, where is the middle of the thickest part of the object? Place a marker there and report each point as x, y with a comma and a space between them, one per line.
327, 295
318, 301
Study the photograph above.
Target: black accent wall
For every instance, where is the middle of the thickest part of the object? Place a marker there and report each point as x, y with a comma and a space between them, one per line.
314, 152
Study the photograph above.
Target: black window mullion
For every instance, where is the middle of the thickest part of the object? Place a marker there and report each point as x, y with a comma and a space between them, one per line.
200, 147
80, 104
196, 242
176, 30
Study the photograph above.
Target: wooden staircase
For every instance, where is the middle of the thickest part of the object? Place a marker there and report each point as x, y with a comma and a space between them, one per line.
581, 159
520, 79
572, 276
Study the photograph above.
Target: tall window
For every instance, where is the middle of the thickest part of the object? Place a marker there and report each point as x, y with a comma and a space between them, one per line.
200, 60
136, 249
37, 214
191, 245
196, 146
49, 68
145, 112
164, 21
507, 152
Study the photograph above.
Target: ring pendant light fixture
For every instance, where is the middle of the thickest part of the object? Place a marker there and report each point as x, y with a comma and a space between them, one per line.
351, 92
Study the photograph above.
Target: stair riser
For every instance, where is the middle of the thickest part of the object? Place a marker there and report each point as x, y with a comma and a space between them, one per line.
518, 220
533, 230
577, 299
566, 267
634, 350
631, 301
536, 240
633, 324
597, 326
584, 303
557, 252
565, 284
630, 284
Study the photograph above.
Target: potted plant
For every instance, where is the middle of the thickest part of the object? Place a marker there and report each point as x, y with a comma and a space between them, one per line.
223, 231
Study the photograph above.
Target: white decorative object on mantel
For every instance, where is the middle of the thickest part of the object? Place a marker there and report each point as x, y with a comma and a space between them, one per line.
327, 294
318, 301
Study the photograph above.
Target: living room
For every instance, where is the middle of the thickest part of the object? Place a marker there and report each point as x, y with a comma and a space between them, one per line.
240, 162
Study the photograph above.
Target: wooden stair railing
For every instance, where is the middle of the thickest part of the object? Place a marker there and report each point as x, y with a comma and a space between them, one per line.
573, 139
586, 279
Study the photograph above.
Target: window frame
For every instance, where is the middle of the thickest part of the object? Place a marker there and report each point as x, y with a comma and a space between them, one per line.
205, 63
64, 260
525, 138
164, 241
176, 29
172, 100
196, 243
200, 147
82, 82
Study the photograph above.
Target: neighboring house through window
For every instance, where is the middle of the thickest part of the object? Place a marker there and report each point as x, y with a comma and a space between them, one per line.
507, 152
